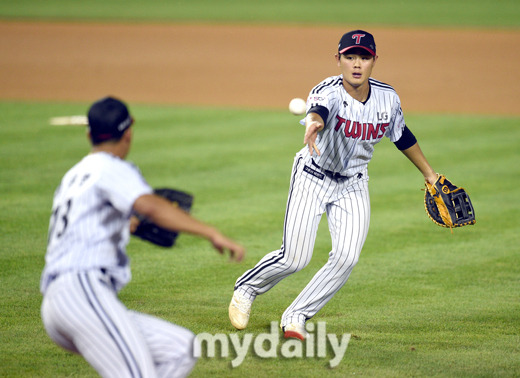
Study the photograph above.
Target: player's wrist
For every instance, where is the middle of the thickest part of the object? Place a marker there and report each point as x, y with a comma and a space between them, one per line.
431, 177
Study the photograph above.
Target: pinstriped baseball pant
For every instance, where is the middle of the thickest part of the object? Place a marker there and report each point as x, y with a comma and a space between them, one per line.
312, 193
82, 314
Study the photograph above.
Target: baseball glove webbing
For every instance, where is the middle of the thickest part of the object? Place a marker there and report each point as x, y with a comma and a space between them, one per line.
448, 205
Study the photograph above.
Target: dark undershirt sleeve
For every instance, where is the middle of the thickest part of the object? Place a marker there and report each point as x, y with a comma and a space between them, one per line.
322, 111
407, 140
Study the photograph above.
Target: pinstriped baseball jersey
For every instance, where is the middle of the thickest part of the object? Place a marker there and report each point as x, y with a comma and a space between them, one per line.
353, 128
89, 223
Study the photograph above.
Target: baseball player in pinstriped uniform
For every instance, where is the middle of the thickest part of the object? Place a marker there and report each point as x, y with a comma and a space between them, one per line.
86, 264
346, 116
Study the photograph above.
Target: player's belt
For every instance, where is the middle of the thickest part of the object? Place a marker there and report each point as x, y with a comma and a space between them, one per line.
330, 174
105, 279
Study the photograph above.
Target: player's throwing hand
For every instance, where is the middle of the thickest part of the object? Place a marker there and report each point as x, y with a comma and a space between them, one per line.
221, 243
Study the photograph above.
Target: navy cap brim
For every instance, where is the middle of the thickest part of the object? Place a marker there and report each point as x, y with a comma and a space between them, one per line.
373, 53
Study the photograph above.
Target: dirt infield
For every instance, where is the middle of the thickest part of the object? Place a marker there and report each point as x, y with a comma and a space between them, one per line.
455, 71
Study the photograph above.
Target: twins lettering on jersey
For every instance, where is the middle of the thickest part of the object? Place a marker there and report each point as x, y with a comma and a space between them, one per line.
358, 130
353, 127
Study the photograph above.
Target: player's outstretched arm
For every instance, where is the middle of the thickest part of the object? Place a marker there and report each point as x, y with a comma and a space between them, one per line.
416, 156
313, 125
163, 214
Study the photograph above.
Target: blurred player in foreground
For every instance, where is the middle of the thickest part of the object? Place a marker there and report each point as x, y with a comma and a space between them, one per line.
86, 264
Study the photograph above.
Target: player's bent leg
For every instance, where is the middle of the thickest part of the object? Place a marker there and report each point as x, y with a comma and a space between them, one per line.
171, 346
271, 269
83, 309
294, 255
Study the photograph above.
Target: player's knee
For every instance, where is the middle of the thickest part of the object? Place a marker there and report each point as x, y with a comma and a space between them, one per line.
344, 261
295, 265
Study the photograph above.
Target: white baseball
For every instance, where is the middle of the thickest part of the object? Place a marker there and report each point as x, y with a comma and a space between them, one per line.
297, 106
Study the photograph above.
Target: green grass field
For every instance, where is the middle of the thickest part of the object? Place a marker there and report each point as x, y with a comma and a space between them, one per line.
452, 13
421, 302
